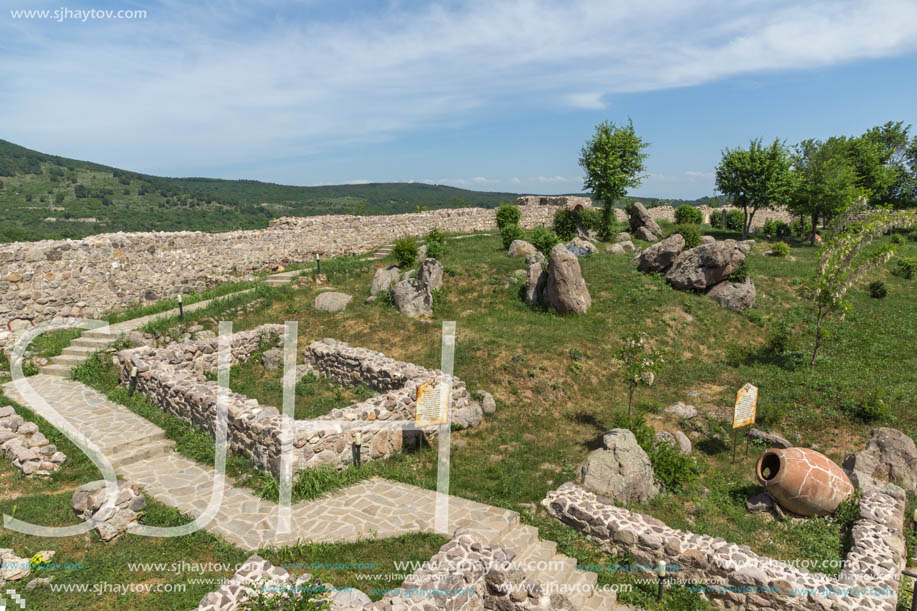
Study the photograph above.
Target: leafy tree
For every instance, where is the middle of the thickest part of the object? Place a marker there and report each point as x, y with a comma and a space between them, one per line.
612, 161
754, 178
825, 182
686, 214
883, 166
639, 364
846, 257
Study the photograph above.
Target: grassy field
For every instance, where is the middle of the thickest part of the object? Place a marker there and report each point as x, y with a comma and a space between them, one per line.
557, 387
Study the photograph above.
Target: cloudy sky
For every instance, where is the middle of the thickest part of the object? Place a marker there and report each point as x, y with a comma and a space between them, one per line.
486, 95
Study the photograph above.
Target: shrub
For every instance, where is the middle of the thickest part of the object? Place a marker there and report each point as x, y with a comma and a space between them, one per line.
405, 251
716, 218
905, 267
741, 273
691, 234
735, 220
688, 215
565, 222
877, 289
508, 214
769, 229
780, 249
436, 244
510, 233
672, 469
543, 239
591, 219
801, 228
783, 230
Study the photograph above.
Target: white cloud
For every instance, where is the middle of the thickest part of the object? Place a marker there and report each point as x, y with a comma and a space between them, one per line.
214, 84
551, 179
696, 174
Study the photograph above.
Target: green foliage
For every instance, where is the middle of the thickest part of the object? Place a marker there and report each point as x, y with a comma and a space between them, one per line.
566, 221
877, 289
780, 249
309, 597
716, 219
801, 228
436, 244
639, 364
754, 178
405, 252
688, 215
612, 161
691, 234
783, 230
769, 229
905, 267
741, 273
735, 220
871, 408
510, 233
672, 470
508, 214
543, 239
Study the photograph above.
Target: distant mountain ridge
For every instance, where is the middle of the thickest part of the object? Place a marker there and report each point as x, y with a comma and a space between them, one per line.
45, 196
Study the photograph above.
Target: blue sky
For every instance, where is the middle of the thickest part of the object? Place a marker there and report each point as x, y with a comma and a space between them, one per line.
484, 95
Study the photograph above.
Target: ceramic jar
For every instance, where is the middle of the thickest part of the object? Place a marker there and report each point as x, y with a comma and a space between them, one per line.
803, 481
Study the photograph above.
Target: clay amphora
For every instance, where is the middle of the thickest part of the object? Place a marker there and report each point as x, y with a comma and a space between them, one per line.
803, 480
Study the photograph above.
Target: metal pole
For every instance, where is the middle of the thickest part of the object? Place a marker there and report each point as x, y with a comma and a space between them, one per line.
181, 308
357, 445
133, 382
661, 579
318, 264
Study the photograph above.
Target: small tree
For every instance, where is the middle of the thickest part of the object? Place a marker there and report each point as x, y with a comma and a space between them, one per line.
640, 363
612, 161
508, 214
845, 258
758, 177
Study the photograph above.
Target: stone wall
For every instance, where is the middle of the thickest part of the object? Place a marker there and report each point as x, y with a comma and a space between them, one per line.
173, 378
751, 581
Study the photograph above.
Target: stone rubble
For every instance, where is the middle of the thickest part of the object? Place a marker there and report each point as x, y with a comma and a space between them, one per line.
750, 581
26, 447
89, 498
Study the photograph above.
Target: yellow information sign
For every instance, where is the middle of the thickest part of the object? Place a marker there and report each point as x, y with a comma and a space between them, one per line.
746, 406
432, 404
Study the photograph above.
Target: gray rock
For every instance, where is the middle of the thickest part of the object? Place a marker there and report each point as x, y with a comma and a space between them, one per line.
890, 456
421, 252
707, 239
773, 440
620, 470
536, 257
658, 257
412, 299
487, 402
703, 266
272, 359
734, 295
535, 280
565, 289
642, 233
681, 410
332, 301
468, 416
677, 440
623, 237
430, 275
350, 598
385, 278
521, 249
641, 219
581, 247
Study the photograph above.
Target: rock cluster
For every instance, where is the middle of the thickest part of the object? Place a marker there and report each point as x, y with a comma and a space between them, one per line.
16, 568
620, 469
174, 379
27, 448
642, 225
414, 296
89, 498
561, 285
750, 581
703, 268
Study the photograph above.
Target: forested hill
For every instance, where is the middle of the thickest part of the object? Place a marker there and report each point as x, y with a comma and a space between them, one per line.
48, 197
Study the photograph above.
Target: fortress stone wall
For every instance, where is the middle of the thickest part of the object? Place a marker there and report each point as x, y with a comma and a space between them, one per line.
87, 277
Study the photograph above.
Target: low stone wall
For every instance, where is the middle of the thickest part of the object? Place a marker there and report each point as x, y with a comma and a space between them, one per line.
173, 378
750, 581
26, 447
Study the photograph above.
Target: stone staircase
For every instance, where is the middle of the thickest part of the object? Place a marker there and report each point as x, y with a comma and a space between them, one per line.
381, 253
283, 278
94, 340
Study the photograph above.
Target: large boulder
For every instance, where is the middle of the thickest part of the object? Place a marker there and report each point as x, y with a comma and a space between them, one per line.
385, 278
412, 299
703, 266
659, 257
535, 280
640, 218
565, 290
331, 301
620, 248
622, 236
734, 295
773, 440
890, 456
620, 469
431, 274
581, 247
521, 249
468, 416
642, 233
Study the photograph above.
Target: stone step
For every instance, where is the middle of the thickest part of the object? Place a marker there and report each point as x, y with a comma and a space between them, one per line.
151, 436
83, 351
55, 369
542, 550
601, 601
71, 360
519, 539
111, 336
580, 583
138, 452
93, 342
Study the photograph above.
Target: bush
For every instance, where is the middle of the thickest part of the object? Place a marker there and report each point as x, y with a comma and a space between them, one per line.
436, 244
716, 218
672, 469
510, 233
877, 290
780, 249
801, 228
905, 267
691, 234
508, 214
565, 222
735, 220
543, 239
783, 230
688, 215
741, 273
769, 229
405, 251
591, 219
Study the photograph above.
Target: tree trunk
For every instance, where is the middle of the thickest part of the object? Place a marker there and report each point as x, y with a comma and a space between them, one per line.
818, 322
746, 227
814, 225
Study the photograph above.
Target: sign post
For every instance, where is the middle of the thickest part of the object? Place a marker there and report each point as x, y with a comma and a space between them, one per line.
745, 410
